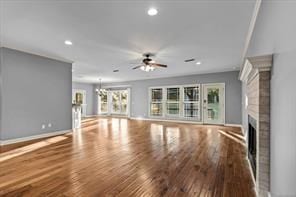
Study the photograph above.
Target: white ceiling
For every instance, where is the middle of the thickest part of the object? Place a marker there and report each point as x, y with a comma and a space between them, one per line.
110, 35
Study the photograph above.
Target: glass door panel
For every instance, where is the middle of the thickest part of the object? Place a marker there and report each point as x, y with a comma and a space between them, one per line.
115, 102
123, 103
103, 103
213, 103
119, 102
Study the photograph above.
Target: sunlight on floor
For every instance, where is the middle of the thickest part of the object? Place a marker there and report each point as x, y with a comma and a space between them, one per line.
26, 149
230, 136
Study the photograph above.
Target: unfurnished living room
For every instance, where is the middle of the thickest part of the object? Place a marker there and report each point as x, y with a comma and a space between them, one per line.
148, 98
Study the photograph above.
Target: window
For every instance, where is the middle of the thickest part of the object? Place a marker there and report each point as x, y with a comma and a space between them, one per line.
191, 102
173, 102
156, 102
103, 105
176, 102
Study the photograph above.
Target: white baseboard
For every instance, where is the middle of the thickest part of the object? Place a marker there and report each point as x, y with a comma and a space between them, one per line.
33, 137
179, 121
165, 120
89, 116
234, 125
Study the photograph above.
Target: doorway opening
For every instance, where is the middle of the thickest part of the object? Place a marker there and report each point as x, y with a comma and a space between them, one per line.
79, 97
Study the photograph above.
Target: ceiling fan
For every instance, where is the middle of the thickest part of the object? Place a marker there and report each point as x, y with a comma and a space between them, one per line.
148, 64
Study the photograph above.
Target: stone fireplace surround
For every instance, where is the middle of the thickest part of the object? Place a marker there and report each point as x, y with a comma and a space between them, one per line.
255, 73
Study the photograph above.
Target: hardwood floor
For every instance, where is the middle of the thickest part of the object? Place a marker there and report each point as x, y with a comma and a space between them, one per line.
121, 157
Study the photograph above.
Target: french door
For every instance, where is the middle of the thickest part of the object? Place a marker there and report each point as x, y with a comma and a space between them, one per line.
213, 103
119, 102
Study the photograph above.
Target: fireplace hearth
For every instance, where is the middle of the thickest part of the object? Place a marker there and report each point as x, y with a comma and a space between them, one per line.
252, 143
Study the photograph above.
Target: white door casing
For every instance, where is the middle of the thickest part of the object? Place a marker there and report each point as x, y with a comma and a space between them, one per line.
213, 103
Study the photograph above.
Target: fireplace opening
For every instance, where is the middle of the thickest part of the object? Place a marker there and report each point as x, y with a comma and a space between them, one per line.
252, 143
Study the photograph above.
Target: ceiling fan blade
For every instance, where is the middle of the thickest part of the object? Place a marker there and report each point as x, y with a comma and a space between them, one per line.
159, 65
136, 67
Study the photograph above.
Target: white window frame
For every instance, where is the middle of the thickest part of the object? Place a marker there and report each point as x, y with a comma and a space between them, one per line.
195, 102
162, 101
172, 102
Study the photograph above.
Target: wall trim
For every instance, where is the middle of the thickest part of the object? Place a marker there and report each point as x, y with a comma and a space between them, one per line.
166, 120
181, 121
89, 116
251, 28
33, 137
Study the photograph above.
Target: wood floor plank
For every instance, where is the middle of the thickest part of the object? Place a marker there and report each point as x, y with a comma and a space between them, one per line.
122, 157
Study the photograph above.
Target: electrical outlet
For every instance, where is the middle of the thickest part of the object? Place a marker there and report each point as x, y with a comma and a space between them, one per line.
49, 125
43, 126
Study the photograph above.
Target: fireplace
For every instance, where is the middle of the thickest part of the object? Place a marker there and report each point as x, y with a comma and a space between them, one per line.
252, 143
255, 75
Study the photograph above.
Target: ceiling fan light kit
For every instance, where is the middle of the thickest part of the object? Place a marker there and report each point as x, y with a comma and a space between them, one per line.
148, 64
147, 68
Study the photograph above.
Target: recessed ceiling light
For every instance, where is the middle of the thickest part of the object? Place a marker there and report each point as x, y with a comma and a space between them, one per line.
198, 63
68, 42
152, 12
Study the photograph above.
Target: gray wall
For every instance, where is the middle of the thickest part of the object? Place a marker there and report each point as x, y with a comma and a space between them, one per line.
35, 91
91, 108
0, 92
139, 92
275, 32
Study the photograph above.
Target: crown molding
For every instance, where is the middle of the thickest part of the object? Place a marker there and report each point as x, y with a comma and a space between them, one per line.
251, 27
254, 65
